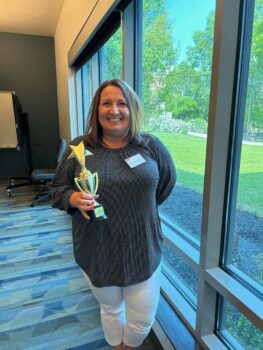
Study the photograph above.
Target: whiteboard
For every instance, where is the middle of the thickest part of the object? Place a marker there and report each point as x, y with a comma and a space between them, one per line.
8, 135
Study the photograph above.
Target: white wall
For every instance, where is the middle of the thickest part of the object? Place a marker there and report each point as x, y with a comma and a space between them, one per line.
74, 14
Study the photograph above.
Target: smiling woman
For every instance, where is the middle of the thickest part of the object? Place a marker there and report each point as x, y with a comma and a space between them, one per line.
120, 256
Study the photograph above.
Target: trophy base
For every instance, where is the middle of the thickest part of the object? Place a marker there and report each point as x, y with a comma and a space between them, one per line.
97, 214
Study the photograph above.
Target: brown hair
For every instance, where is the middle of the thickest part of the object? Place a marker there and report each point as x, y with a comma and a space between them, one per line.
94, 130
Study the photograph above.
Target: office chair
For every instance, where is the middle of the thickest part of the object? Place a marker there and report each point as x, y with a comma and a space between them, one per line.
23, 139
45, 176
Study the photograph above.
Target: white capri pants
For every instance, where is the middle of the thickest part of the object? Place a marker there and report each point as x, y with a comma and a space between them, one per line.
128, 313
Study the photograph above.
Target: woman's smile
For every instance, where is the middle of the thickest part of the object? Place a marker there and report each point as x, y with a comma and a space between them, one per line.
114, 119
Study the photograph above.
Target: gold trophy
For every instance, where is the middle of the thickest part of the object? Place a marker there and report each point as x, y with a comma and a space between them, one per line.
87, 182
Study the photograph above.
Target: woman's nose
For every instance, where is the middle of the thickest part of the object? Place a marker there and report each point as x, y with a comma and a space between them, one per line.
114, 109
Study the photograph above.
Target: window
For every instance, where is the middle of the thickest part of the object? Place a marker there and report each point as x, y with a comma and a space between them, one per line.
244, 255
176, 71
238, 330
111, 57
243, 258
180, 274
86, 84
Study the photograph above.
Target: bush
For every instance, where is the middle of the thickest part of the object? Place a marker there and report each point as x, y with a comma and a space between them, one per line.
199, 125
166, 123
184, 107
163, 124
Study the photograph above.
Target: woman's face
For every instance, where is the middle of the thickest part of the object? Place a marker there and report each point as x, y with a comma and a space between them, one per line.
114, 113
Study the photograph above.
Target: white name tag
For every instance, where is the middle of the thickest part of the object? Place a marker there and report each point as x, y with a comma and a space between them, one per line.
135, 160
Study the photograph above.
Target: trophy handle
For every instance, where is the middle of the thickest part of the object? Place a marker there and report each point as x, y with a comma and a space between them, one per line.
78, 186
96, 182
93, 184
83, 183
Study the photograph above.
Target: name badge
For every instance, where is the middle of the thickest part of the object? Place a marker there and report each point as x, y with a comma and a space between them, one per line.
135, 160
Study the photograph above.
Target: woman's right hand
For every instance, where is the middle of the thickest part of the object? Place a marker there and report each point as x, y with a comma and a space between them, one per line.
83, 201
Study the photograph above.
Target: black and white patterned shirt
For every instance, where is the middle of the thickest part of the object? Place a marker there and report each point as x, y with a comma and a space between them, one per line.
124, 249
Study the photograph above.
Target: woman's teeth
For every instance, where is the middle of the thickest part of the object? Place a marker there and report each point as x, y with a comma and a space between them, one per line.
114, 119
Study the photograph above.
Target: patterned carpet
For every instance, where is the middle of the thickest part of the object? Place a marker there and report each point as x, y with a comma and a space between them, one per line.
44, 300
45, 303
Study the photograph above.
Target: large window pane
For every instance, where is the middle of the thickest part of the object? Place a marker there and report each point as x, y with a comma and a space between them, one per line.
245, 246
238, 330
86, 86
111, 57
176, 69
180, 273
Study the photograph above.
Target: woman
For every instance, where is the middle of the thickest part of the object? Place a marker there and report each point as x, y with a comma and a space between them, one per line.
121, 255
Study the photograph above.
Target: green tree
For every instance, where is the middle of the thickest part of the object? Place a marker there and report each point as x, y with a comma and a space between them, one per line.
187, 84
159, 55
254, 102
112, 54
199, 58
181, 90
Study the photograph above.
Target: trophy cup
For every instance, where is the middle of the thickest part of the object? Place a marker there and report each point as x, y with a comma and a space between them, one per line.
87, 182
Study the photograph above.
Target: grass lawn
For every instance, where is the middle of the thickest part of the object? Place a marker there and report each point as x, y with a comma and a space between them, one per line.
188, 153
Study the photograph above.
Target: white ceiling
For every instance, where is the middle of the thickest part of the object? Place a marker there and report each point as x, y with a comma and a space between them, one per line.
36, 17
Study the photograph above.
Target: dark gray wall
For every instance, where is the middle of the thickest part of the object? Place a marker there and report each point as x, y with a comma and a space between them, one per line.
27, 66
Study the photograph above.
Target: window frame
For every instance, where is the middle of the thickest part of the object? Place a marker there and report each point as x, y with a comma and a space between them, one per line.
235, 143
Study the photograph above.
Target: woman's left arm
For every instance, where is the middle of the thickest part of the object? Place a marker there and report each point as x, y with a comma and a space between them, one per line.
167, 172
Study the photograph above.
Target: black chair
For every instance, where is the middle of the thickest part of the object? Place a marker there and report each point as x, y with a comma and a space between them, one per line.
45, 176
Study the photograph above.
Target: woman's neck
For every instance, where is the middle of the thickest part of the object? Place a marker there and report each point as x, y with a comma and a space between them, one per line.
111, 142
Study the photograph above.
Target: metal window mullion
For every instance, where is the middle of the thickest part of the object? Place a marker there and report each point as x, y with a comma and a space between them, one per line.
95, 73
73, 112
182, 248
128, 44
83, 117
79, 97
220, 114
138, 34
180, 231
212, 342
101, 58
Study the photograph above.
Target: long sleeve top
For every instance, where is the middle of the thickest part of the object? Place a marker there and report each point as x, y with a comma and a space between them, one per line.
125, 248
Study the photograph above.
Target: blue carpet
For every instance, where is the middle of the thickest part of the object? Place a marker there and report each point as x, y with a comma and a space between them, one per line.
45, 303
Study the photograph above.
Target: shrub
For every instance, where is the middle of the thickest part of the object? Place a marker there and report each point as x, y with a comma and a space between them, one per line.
199, 125
165, 123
